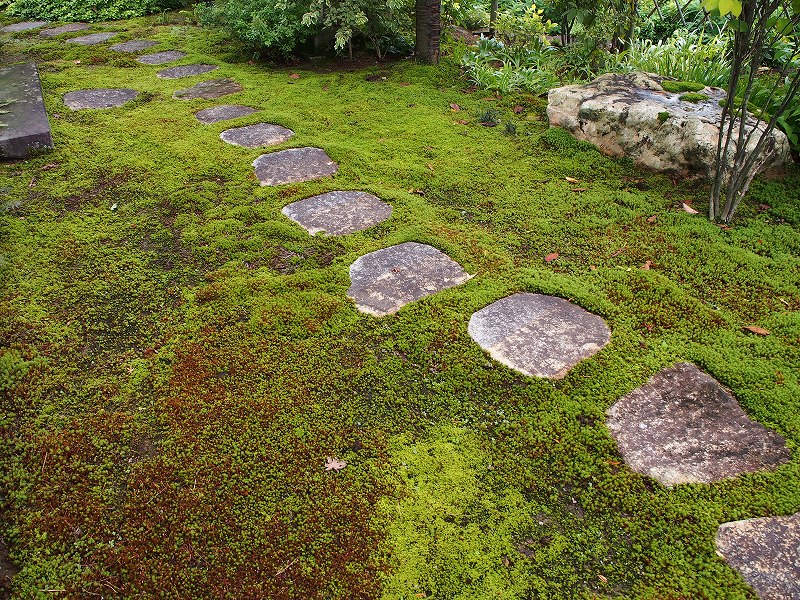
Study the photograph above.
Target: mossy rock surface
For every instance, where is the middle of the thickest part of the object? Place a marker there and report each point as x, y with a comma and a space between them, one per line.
678, 87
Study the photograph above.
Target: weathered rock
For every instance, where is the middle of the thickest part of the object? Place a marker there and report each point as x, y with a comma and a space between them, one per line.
185, 71
766, 552
631, 115
27, 129
161, 58
68, 28
23, 26
293, 166
92, 39
383, 282
338, 213
133, 46
100, 98
682, 426
537, 335
215, 114
256, 136
209, 90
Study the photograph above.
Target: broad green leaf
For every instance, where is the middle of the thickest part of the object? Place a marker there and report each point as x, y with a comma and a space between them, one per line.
711, 5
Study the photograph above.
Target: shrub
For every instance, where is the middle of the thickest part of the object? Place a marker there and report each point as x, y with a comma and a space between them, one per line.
94, 10
492, 65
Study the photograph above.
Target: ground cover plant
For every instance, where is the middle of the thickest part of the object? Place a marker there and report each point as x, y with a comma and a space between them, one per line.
179, 360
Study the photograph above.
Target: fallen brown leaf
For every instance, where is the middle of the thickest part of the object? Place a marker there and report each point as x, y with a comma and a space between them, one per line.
294, 76
551, 257
518, 109
334, 464
430, 166
652, 219
689, 209
618, 251
646, 266
455, 107
489, 99
571, 179
462, 122
593, 267
404, 84
756, 329
603, 579
579, 190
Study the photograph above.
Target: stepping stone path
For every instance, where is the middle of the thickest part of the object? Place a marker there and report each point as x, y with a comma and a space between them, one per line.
293, 166
161, 58
682, 426
256, 136
185, 71
209, 90
225, 112
537, 335
766, 552
338, 213
26, 129
92, 39
133, 46
24, 26
100, 98
68, 28
383, 282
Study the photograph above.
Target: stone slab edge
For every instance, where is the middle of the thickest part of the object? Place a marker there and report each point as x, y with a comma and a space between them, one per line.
28, 129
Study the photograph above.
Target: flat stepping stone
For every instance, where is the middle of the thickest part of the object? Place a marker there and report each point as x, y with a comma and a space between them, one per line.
161, 58
338, 213
293, 166
23, 26
385, 281
68, 28
133, 46
92, 39
215, 114
209, 90
538, 335
185, 71
100, 98
766, 552
27, 130
682, 426
256, 136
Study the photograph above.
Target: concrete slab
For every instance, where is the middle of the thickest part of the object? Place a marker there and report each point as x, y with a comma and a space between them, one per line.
161, 58
100, 98
293, 166
338, 213
23, 26
215, 114
92, 39
185, 71
256, 136
214, 88
61, 30
22, 111
133, 46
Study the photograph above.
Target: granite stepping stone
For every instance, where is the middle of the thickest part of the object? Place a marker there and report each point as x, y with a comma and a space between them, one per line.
23, 26
338, 213
215, 114
682, 426
185, 71
100, 98
293, 166
256, 136
133, 46
209, 90
766, 552
92, 39
68, 28
383, 282
26, 130
161, 58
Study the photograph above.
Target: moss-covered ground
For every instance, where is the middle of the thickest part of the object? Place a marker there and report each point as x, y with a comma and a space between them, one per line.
178, 359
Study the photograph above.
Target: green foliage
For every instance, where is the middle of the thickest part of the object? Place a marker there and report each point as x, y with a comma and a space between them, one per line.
561, 140
767, 96
663, 116
493, 65
678, 87
526, 29
80, 10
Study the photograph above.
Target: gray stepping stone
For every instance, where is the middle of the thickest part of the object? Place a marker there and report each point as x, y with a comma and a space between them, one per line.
256, 136
92, 39
766, 552
537, 335
161, 58
338, 213
209, 90
185, 71
383, 282
23, 26
225, 112
68, 28
27, 129
293, 166
682, 426
133, 46
100, 98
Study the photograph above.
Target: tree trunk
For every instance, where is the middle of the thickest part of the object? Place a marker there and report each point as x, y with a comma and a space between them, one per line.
429, 28
493, 17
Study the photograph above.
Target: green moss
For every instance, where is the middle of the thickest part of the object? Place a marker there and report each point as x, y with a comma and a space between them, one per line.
663, 116
679, 87
694, 97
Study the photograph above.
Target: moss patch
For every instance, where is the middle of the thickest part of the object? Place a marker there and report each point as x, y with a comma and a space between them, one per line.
679, 87
694, 97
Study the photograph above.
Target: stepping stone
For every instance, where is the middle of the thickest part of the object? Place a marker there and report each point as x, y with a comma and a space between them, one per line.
537, 335
766, 552
293, 166
27, 130
133, 46
383, 282
101, 98
209, 90
256, 136
682, 426
338, 213
92, 39
161, 58
185, 71
68, 28
225, 112
23, 26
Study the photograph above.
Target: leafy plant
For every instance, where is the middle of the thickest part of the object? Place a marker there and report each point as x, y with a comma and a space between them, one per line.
493, 65
80, 10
